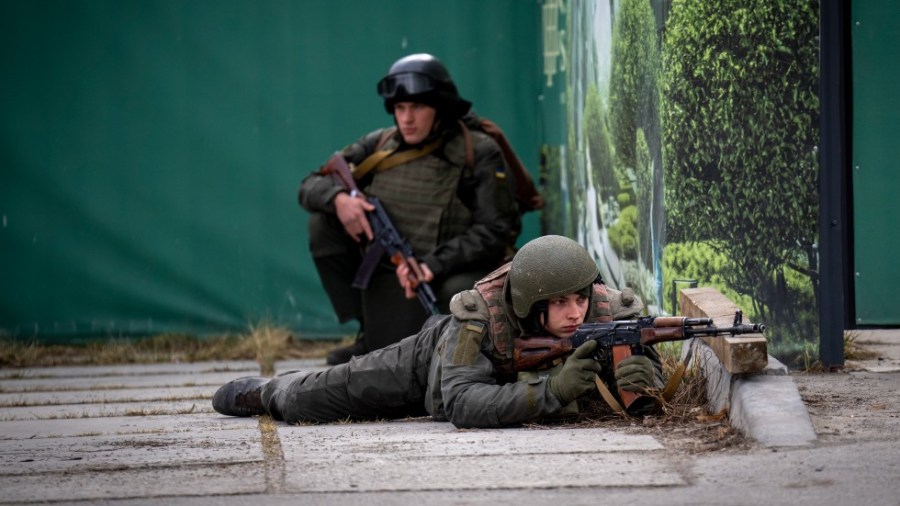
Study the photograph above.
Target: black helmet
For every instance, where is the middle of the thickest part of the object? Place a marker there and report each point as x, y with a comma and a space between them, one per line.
547, 267
422, 78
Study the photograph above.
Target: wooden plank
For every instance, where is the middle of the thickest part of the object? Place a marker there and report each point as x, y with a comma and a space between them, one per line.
740, 354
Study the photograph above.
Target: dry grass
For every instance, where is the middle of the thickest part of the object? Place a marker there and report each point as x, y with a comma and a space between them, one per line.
682, 421
853, 350
263, 342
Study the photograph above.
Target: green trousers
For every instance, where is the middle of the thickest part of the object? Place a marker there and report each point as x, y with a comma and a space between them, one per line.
392, 382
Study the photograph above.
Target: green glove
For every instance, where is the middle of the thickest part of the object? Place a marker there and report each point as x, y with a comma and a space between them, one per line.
636, 373
576, 377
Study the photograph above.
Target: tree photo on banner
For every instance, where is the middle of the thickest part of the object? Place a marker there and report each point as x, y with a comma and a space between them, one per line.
691, 153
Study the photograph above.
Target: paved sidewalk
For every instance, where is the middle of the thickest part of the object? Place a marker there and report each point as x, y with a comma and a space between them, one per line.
147, 434
76, 433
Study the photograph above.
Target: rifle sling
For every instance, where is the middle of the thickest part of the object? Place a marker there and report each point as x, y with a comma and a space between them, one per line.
370, 162
608, 396
667, 393
387, 159
370, 261
674, 382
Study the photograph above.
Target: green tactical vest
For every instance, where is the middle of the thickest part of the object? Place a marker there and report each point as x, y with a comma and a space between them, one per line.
421, 196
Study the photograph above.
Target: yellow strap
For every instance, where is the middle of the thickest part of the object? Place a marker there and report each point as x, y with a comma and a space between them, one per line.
667, 394
409, 155
386, 159
370, 162
674, 381
608, 396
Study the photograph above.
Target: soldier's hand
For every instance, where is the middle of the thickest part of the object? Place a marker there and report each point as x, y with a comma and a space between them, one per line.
351, 210
576, 377
635, 373
409, 281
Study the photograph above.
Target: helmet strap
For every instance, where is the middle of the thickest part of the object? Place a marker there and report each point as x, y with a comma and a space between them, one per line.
533, 324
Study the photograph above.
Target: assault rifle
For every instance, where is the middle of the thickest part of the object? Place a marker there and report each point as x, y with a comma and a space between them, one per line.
387, 239
618, 340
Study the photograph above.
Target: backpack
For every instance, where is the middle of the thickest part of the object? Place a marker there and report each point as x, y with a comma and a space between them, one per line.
527, 195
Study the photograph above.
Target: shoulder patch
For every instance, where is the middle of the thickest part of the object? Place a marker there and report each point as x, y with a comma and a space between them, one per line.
468, 343
475, 326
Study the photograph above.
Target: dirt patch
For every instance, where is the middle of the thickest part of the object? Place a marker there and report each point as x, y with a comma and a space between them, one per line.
862, 402
852, 406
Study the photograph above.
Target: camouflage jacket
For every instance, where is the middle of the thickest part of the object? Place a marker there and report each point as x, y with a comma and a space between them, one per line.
465, 384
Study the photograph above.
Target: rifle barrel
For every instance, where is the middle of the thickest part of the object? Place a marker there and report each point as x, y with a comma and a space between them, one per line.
756, 328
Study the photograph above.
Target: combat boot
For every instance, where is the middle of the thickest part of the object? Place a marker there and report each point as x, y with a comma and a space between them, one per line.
345, 353
241, 397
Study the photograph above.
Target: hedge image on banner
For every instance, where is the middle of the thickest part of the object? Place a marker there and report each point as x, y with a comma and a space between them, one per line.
691, 154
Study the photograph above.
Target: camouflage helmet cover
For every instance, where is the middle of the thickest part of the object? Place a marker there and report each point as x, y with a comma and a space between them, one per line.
547, 267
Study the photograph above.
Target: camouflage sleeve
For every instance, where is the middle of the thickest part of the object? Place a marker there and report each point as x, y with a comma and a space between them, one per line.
317, 191
471, 394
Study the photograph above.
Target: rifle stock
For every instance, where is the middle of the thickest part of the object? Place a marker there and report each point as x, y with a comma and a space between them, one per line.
536, 352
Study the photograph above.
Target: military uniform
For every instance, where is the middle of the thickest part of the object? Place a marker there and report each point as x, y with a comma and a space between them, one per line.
449, 195
461, 221
457, 368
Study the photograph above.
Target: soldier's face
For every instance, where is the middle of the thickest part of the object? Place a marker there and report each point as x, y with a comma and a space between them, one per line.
414, 120
565, 314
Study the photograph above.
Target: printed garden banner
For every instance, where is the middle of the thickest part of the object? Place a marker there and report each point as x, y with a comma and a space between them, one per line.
680, 146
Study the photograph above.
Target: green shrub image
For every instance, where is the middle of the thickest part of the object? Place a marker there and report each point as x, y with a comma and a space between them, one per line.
599, 147
643, 172
740, 116
634, 79
623, 234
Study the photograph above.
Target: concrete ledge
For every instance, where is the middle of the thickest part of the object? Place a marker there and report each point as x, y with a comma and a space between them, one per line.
763, 403
765, 406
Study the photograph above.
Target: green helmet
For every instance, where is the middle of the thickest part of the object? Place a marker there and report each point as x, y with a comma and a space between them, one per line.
547, 267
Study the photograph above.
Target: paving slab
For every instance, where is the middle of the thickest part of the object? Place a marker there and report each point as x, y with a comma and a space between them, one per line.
234, 366
388, 473
80, 453
74, 411
423, 437
50, 398
161, 485
141, 376
422, 456
63, 427
60, 384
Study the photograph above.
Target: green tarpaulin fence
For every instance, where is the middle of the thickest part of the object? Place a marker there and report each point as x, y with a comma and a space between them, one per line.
151, 150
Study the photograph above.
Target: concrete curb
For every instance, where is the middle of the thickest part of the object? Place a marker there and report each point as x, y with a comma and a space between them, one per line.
765, 406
